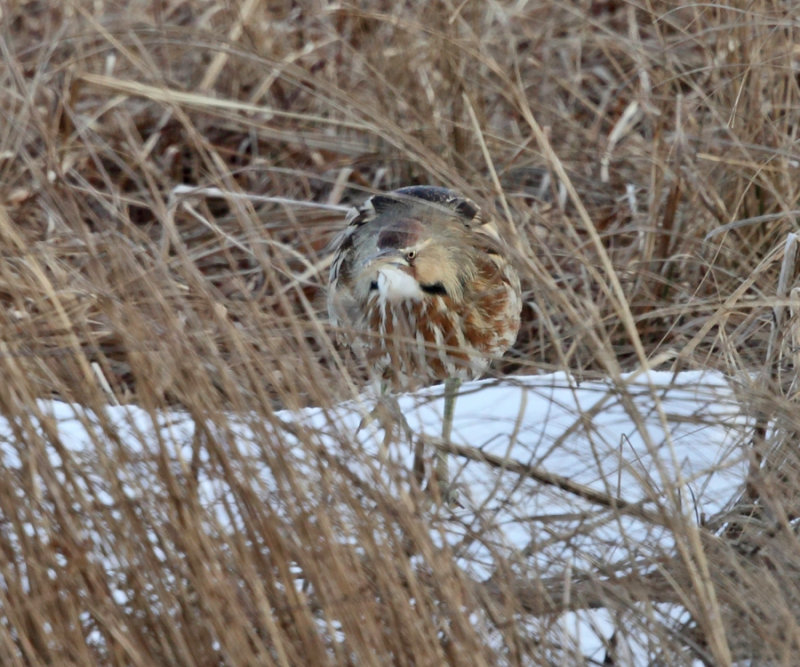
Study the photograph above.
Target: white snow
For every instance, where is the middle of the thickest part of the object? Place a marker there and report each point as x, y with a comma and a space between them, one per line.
663, 433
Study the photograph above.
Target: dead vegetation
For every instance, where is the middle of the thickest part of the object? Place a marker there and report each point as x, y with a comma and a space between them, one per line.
642, 159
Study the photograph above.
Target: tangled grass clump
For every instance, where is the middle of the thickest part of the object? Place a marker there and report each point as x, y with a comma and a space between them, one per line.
157, 162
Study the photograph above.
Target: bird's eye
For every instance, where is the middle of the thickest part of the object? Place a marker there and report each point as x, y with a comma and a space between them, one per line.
410, 255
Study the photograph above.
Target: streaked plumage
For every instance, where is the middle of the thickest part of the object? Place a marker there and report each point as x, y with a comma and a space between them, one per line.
421, 288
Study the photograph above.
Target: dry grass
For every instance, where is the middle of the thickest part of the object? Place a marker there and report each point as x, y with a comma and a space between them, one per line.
617, 144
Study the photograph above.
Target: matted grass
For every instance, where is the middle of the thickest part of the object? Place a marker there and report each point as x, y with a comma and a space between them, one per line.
640, 157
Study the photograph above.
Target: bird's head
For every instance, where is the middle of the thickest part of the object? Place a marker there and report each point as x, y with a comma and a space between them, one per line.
409, 259
414, 244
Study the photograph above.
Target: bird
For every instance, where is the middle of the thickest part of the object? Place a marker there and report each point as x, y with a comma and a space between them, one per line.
422, 290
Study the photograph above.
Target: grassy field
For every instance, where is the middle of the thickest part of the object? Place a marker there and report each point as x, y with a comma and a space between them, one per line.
640, 157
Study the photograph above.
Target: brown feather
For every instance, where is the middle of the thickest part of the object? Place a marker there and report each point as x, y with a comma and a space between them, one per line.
420, 288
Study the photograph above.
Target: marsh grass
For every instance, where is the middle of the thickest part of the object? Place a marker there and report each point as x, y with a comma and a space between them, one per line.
640, 157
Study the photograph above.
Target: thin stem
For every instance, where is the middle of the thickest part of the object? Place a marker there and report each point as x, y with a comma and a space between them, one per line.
451, 386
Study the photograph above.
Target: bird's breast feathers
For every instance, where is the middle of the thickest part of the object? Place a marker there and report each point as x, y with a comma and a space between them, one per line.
394, 284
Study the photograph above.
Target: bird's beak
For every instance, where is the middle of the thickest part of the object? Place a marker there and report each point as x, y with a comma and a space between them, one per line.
390, 256
389, 274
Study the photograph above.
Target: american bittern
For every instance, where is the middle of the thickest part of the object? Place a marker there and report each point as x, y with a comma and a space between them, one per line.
422, 289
